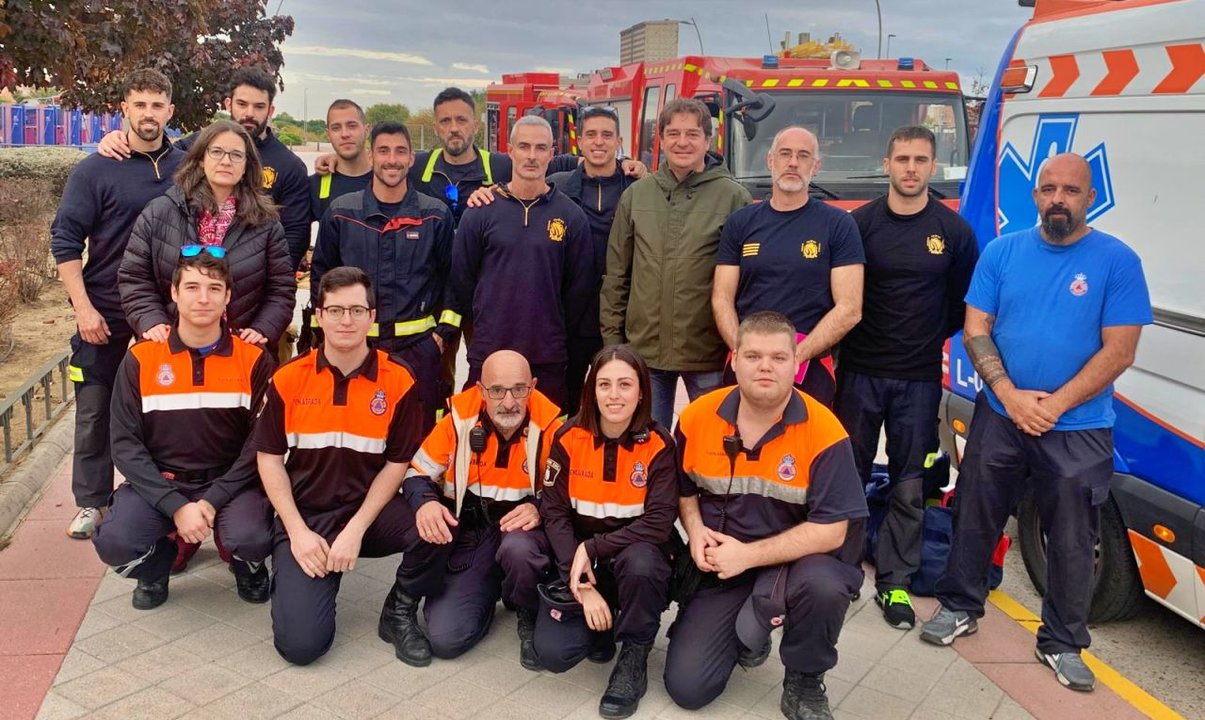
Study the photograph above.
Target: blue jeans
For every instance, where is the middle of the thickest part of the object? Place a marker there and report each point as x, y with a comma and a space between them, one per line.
665, 387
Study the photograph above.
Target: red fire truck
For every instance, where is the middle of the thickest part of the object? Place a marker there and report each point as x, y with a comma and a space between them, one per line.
851, 104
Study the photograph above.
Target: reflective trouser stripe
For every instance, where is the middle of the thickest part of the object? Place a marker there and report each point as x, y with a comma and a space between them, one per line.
413, 327
75, 373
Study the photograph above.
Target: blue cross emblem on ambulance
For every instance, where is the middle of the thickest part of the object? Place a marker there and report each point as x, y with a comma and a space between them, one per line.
1054, 134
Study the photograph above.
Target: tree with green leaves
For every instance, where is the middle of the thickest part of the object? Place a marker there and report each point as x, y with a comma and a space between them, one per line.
87, 47
386, 112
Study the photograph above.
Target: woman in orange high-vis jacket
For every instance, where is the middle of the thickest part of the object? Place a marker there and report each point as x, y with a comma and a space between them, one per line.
610, 498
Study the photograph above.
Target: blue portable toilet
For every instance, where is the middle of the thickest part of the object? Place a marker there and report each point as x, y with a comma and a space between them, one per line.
49, 124
75, 128
97, 127
16, 124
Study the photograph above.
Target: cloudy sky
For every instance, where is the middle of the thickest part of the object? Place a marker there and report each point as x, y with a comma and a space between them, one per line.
406, 51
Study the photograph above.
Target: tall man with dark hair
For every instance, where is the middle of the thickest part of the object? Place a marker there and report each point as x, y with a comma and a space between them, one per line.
100, 203
249, 102
349, 419
1053, 318
793, 255
661, 258
403, 240
919, 258
347, 130
203, 384
523, 266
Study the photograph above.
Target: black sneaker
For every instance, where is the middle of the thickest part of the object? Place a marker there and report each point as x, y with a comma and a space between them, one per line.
527, 640
149, 594
897, 608
602, 648
750, 659
804, 697
252, 581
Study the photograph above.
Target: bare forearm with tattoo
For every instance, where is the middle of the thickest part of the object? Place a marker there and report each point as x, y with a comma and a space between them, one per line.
986, 359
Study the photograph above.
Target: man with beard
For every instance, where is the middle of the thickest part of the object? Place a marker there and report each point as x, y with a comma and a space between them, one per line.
1053, 318
919, 259
472, 486
797, 256
100, 203
403, 240
249, 103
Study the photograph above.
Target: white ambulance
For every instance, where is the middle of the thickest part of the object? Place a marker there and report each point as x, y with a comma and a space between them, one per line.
1121, 82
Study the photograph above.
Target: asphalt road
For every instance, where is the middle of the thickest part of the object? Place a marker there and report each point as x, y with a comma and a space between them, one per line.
1158, 650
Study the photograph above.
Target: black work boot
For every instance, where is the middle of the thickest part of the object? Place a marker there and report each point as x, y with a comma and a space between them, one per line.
150, 594
399, 625
602, 647
527, 640
750, 659
252, 581
804, 698
628, 683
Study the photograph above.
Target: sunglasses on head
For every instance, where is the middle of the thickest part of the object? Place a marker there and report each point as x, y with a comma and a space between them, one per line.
216, 251
592, 111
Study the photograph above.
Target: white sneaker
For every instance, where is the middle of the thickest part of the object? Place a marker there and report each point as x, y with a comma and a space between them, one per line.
84, 523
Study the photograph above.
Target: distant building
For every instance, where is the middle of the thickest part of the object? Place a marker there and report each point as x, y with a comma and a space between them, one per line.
649, 41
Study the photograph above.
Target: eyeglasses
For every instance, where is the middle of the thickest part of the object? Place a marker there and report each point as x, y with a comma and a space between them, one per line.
497, 392
216, 251
216, 153
336, 312
452, 193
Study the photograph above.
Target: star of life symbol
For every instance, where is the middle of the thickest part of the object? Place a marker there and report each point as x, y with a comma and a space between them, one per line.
1054, 134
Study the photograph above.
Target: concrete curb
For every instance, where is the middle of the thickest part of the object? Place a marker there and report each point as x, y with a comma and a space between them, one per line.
26, 481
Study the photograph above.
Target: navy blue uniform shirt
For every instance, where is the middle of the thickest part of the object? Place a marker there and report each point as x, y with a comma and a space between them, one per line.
785, 258
100, 203
340, 185
526, 270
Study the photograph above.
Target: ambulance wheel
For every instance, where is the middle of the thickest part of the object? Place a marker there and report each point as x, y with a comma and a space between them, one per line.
1117, 589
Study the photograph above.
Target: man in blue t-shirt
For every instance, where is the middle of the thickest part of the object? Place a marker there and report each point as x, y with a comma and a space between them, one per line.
792, 255
1053, 317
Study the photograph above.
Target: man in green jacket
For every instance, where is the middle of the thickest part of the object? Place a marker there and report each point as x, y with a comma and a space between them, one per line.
661, 256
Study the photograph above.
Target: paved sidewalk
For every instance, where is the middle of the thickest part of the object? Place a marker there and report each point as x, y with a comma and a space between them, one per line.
73, 647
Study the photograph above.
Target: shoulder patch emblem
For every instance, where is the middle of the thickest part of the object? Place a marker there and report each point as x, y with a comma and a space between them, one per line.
786, 468
378, 405
166, 376
269, 177
1079, 286
810, 249
936, 244
556, 229
552, 471
639, 476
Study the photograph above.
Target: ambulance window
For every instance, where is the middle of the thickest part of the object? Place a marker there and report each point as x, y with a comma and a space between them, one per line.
671, 92
512, 113
648, 124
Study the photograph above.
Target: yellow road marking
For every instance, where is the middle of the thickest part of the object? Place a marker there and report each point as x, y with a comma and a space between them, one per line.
1146, 703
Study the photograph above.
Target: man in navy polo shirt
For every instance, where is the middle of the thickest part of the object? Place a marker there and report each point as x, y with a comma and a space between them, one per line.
523, 266
795, 256
1052, 319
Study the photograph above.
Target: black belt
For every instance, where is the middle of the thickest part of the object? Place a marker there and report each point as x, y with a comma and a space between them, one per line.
194, 476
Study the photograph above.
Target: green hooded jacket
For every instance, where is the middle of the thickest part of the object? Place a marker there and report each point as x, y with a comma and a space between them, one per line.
656, 291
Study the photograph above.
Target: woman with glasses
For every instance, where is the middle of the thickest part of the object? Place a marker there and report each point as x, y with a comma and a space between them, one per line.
217, 207
609, 502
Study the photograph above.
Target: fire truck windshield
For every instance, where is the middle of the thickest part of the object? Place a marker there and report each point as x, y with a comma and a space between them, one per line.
853, 130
